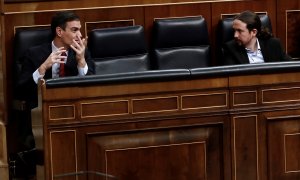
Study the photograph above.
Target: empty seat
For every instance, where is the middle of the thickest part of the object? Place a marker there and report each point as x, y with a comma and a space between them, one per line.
180, 43
119, 49
225, 32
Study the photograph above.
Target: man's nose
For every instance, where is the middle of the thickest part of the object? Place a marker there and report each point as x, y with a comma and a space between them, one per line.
79, 34
236, 34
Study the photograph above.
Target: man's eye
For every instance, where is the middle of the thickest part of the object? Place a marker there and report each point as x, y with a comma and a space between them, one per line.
74, 30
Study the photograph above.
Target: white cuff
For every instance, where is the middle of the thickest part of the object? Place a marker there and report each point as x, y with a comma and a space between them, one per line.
36, 76
83, 71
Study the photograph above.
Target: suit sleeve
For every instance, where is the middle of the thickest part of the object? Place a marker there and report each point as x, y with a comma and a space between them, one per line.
275, 52
228, 58
285, 56
26, 87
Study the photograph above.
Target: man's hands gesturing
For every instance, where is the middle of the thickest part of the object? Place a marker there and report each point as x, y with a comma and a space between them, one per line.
54, 57
79, 46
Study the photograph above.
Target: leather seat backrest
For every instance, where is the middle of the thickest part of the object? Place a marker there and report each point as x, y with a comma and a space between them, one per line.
119, 49
26, 38
23, 40
180, 43
266, 21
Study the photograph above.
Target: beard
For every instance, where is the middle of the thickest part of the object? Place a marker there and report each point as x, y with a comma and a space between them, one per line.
239, 42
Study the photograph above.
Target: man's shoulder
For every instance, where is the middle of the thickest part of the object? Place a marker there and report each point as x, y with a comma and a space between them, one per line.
230, 43
272, 40
38, 52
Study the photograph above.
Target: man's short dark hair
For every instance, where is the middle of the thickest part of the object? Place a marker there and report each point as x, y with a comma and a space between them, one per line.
60, 19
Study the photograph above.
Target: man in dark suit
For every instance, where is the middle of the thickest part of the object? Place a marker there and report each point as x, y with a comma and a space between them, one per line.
66, 55
251, 43
67, 52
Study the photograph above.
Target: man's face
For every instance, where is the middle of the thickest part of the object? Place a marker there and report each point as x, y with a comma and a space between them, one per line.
241, 34
71, 32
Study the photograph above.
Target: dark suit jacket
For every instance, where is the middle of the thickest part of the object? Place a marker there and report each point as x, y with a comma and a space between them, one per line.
32, 60
271, 49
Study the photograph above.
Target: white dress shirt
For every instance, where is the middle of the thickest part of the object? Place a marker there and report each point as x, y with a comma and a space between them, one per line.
255, 56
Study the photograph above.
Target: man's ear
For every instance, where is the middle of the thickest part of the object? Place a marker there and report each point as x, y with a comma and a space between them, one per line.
58, 31
254, 31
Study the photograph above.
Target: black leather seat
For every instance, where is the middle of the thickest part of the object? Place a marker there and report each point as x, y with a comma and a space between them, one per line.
180, 43
119, 49
225, 32
23, 40
26, 38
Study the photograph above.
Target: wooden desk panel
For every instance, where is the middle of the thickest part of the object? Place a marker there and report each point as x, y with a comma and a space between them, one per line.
164, 153
103, 132
206, 128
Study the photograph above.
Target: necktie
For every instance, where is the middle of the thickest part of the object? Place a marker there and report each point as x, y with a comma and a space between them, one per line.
62, 66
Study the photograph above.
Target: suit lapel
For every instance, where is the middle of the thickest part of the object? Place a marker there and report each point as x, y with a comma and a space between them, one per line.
242, 55
263, 50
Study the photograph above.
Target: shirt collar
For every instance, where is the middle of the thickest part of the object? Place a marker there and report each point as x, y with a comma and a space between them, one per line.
54, 48
258, 46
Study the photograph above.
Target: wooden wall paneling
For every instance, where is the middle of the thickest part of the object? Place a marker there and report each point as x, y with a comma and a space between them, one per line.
142, 88
3, 152
111, 17
173, 128
282, 8
244, 97
283, 137
63, 152
4, 165
247, 93
113, 109
288, 26
241, 136
110, 147
3, 73
180, 153
292, 36
77, 4
245, 147
281, 95
262, 146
